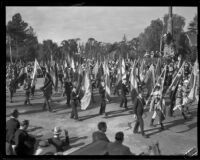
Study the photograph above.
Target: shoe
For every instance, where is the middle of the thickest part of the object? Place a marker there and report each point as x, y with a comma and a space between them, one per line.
135, 132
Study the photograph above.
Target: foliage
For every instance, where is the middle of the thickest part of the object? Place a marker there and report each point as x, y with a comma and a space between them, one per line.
21, 38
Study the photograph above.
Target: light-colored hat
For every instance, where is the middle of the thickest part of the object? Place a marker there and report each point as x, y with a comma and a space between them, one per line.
186, 81
57, 130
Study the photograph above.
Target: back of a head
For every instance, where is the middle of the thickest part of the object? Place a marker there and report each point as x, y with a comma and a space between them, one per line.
119, 136
15, 113
101, 125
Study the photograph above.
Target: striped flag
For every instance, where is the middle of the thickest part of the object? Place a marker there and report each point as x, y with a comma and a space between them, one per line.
85, 101
107, 78
133, 78
34, 76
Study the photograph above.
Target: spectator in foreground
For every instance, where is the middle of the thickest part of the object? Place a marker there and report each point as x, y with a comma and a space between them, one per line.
12, 125
23, 141
100, 134
61, 145
117, 148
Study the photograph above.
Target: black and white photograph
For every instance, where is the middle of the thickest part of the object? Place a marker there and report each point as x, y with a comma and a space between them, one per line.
101, 80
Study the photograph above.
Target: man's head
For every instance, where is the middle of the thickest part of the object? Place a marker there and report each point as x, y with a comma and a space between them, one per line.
57, 131
15, 113
24, 124
119, 136
102, 126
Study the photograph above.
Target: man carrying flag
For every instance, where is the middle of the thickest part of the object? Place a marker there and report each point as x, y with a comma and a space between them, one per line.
124, 91
102, 92
34, 76
47, 90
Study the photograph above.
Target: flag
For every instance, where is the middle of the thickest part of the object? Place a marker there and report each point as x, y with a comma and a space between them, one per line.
52, 73
72, 64
95, 69
176, 78
68, 59
47, 70
85, 101
123, 69
34, 76
107, 79
133, 78
141, 71
149, 80
158, 69
160, 81
65, 64
193, 92
152, 73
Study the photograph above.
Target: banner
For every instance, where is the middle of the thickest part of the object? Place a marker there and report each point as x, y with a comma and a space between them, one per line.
34, 77
85, 101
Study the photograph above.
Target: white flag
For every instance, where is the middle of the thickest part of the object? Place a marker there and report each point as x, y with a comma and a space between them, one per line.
34, 76
85, 101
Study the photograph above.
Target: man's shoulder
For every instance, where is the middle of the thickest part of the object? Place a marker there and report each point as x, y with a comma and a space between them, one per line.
12, 121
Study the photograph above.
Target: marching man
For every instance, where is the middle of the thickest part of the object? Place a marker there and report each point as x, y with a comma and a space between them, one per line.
157, 107
179, 101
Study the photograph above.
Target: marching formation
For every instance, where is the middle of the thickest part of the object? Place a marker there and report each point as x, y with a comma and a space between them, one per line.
148, 81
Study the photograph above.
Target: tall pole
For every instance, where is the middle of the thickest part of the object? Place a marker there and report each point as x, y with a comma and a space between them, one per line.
169, 27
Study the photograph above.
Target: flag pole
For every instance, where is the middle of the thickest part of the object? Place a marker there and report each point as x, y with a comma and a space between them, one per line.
155, 85
175, 77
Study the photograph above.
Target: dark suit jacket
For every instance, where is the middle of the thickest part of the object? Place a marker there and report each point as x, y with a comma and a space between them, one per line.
98, 135
11, 127
124, 90
138, 107
133, 95
24, 143
59, 144
68, 87
116, 148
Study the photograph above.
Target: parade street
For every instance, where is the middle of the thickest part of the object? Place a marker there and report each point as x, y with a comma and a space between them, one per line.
177, 138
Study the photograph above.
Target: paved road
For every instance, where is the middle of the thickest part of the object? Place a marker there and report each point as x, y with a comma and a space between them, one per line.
179, 136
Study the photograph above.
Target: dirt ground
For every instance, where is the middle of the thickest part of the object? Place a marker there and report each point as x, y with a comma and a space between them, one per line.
177, 138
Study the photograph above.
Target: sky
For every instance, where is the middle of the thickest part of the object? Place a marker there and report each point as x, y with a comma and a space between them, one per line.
105, 24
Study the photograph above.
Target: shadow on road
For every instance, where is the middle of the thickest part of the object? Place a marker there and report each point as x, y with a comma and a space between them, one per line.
75, 139
34, 129
118, 115
88, 117
174, 123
